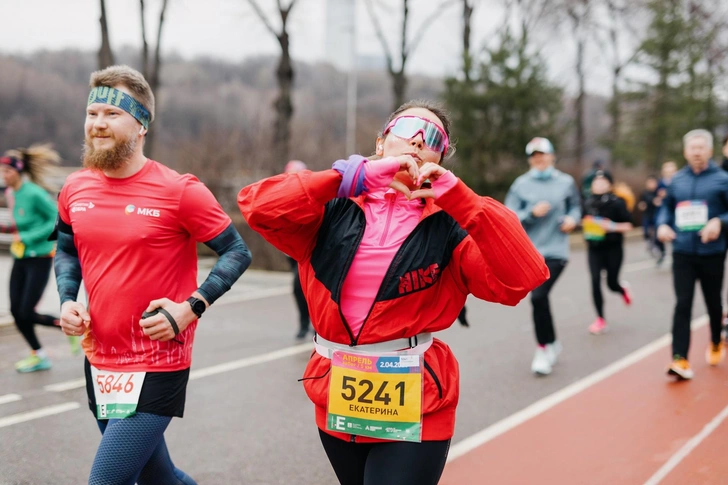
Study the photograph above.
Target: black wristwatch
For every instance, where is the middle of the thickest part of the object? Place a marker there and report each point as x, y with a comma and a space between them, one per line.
198, 306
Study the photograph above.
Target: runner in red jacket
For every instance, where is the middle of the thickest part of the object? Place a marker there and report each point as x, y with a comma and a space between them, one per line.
385, 261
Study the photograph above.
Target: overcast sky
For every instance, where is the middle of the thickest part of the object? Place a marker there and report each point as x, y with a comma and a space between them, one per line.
228, 29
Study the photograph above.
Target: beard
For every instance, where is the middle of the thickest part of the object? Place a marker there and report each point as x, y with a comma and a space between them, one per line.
108, 159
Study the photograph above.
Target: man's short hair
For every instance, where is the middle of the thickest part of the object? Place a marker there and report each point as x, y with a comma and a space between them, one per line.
725, 140
129, 78
705, 134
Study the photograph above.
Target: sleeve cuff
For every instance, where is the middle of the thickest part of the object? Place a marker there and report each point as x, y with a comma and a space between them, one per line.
447, 181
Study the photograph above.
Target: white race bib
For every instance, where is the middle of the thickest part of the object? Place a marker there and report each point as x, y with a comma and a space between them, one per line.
691, 215
117, 393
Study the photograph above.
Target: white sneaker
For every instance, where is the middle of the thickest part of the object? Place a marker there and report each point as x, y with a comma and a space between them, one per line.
541, 364
554, 349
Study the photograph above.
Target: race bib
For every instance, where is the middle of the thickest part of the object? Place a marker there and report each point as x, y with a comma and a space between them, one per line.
592, 229
117, 393
379, 396
691, 215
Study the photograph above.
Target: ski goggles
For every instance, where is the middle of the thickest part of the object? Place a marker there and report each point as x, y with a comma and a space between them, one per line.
408, 127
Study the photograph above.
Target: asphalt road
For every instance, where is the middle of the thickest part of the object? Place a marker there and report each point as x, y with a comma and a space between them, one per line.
248, 420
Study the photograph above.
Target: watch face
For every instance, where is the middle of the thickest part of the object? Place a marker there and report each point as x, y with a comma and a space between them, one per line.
199, 307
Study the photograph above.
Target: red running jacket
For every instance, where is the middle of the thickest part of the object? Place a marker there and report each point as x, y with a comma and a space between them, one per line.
463, 244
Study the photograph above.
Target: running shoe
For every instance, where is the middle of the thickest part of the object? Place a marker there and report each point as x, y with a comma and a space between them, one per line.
714, 354
541, 364
75, 342
33, 363
598, 326
680, 368
627, 293
554, 349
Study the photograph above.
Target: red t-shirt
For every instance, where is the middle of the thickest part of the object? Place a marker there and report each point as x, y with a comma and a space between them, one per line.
136, 239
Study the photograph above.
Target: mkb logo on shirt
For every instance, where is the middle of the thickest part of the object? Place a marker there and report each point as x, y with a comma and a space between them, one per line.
131, 209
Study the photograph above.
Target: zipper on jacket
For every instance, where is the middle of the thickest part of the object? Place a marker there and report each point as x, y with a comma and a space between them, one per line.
387, 277
389, 220
434, 377
344, 272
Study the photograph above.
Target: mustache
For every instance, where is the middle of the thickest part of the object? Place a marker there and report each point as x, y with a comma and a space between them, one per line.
97, 133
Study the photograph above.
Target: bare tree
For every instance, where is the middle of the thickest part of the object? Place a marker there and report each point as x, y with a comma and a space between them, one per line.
151, 71
620, 15
468, 8
106, 56
406, 48
285, 75
579, 13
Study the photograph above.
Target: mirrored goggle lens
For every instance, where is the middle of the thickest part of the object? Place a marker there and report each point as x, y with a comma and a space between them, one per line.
409, 127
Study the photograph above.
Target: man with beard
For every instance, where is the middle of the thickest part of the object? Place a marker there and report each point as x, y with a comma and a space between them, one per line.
128, 226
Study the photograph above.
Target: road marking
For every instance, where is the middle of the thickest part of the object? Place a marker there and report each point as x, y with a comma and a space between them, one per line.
683, 452
248, 361
253, 295
543, 405
66, 386
38, 413
646, 264
10, 398
206, 371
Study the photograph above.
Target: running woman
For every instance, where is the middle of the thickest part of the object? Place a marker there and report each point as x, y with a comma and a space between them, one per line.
384, 263
606, 218
691, 218
34, 214
128, 227
546, 202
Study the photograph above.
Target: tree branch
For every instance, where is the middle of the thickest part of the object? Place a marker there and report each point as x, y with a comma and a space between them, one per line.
263, 18
380, 35
426, 23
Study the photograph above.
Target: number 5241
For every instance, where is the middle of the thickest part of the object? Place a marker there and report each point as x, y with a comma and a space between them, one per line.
361, 390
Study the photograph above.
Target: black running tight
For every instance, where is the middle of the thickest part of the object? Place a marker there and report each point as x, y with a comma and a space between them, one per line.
28, 280
388, 463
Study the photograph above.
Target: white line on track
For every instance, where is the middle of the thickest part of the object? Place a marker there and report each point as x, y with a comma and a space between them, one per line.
38, 413
543, 405
646, 264
65, 386
254, 295
683, 452
10, 398
248, 361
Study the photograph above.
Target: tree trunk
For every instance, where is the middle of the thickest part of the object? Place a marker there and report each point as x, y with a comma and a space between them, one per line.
145, 45
106, 56
154, 78
579, 104
467, 21
399, 87
283, 104
616, 110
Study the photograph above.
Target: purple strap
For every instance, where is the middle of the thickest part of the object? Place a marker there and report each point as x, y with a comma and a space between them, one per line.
352, 172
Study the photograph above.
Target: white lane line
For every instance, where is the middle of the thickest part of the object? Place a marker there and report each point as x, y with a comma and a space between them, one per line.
206, 371
248, 361
675, 459
646, 264
253, 295
38, 413
543, 405
10, 398
65, 386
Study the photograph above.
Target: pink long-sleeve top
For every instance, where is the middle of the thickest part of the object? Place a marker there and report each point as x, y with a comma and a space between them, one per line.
390, 218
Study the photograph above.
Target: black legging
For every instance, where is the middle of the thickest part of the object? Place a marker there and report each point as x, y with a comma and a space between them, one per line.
542, 319
607, 257
28, 280
389, 463
686, 269
303, 315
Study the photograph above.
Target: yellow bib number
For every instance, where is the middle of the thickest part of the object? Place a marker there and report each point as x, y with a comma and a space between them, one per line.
379, 396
